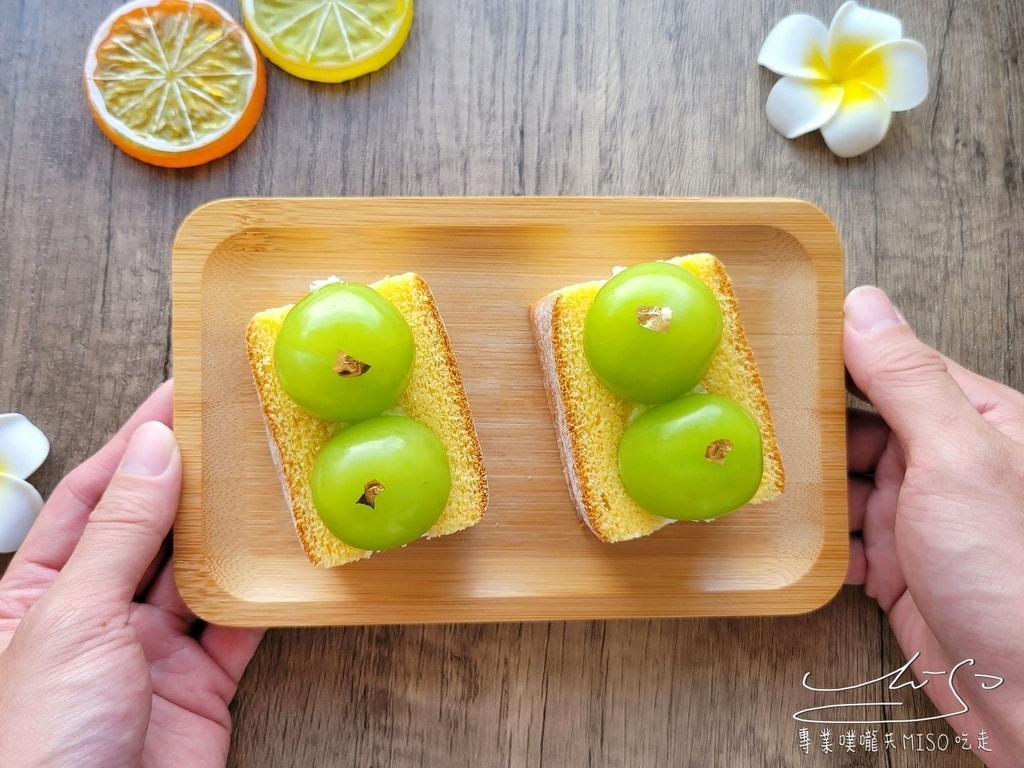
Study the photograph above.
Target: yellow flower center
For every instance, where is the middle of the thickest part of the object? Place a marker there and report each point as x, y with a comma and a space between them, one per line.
856, 92
843, 53
873, 69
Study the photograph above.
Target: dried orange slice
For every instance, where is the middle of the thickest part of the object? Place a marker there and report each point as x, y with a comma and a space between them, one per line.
328, 40
175, 83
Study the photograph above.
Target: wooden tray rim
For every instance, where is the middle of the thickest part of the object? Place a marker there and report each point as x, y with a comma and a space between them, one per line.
208, 226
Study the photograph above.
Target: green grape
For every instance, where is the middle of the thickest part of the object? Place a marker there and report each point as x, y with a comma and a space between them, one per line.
381, 483
651, 332
693, 458
344, 352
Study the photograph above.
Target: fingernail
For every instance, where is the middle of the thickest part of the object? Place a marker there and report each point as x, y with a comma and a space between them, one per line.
868, 309
149, 451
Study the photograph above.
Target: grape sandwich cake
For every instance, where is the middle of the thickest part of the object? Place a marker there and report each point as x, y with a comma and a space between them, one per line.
591, 421
434, 396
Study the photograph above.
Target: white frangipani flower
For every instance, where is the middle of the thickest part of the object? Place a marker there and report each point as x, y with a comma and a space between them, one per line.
23, 448
845, 80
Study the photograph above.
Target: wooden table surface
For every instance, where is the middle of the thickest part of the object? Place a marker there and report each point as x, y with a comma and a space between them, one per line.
512, 97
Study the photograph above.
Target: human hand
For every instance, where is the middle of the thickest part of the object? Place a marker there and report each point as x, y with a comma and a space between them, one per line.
937, 526
101, 662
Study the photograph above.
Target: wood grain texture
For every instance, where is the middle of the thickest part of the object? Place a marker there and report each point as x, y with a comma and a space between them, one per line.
493, 97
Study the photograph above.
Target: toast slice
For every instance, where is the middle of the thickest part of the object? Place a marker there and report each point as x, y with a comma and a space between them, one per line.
590, 421
435, 396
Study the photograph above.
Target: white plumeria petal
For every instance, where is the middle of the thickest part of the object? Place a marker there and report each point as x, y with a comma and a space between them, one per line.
23, 446
853, 31
898, 70
796, 47
867, 72
796, 106
861, 122
20, 504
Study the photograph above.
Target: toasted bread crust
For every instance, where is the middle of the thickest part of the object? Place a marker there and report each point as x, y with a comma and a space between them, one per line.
456, 428
590, 421
435, 396
294, 437
752, 394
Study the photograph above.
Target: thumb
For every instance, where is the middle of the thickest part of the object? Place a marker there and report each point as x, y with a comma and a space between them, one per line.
128, 525
907, 381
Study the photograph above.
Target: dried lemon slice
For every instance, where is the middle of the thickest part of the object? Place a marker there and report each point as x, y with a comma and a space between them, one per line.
174, 82
328, 40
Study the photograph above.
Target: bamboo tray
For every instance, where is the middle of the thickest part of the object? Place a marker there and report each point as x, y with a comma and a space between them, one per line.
237, 559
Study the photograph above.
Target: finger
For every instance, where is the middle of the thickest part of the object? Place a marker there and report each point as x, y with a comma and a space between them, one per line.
852, 388
164, 595
163, 556
857, 568
60, 524
231, 647
998, 404
128, 525
858, 493
866, 438
907, 382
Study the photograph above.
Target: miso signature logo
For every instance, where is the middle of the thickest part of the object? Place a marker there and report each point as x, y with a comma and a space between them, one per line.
896, 682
